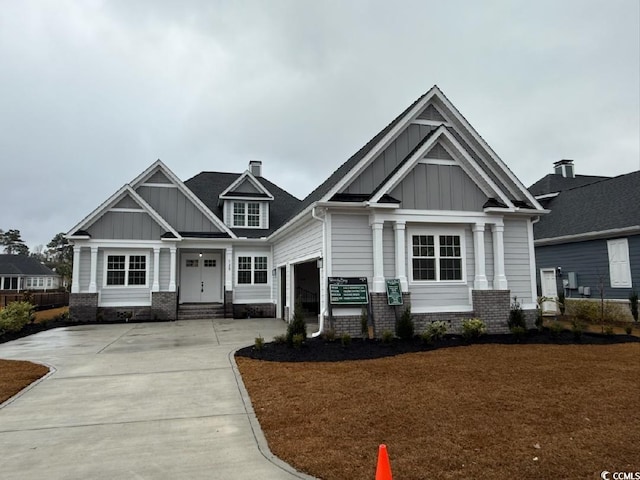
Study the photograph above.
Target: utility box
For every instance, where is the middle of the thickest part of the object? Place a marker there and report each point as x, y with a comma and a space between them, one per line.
572, 277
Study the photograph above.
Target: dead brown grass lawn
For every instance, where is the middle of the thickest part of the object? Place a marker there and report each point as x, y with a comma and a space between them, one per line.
51, 314
479, 411
16, 375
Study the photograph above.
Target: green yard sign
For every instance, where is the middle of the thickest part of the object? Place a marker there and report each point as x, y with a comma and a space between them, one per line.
394, 291
348, 291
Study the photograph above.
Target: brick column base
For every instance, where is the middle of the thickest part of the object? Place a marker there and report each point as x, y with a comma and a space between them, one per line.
492, 306
384, 315
228, 303
164, 305
83, 307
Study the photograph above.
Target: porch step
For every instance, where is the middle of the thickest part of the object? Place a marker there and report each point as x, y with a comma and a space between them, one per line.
200, 311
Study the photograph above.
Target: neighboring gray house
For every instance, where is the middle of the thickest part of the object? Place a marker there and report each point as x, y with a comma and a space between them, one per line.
426, 201
591, 238
21, 272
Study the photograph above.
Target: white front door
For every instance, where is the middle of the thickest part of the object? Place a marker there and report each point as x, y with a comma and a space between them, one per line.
200, 280
549, 290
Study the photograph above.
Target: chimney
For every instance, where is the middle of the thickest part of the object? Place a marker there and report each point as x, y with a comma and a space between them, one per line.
255, 167
564, 168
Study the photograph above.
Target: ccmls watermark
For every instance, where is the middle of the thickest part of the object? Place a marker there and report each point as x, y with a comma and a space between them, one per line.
606, 475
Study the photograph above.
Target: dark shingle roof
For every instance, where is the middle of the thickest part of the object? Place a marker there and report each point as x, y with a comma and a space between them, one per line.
346, 167
23, 265
604, 205
554, 182
208, 186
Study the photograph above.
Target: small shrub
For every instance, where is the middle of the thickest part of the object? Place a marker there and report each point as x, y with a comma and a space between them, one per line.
519, 333
364, 323
405, 328
280, 339
561, 302
329, 335
298, 326
608, 330
596, 313
633, 304
15, 316
387, 336
473, 328
555, 329
628, 329
258, 344
297, 340
426, 338
345, 339
516, 316
436, 330
578, 328
539, 319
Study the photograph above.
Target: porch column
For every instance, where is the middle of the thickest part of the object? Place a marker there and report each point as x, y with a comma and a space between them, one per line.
75, 280
94, 270
499, 277
480, 280
378, 265
228, 269
401, 263
156, 270
172, 269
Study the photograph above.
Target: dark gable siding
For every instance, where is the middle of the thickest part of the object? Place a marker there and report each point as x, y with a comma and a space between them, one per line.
590, 260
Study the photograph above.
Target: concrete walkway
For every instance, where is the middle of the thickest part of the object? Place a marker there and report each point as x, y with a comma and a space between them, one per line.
137, 401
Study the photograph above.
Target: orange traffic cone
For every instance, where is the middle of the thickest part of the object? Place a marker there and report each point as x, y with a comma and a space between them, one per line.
383, 471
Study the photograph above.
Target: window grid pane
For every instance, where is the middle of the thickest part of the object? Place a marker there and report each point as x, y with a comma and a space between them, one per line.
137, 270
260, 270
115, 269
238, 214
244, 270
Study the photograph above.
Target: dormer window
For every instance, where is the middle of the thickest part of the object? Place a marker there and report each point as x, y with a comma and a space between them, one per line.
246, 214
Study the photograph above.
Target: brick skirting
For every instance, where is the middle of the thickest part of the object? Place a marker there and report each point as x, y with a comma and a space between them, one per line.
83, 307
254, 310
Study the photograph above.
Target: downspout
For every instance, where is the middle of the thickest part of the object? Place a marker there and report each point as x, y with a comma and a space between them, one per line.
324, 268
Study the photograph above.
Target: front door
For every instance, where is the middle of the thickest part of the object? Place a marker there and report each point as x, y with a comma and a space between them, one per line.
549, 291
200, 280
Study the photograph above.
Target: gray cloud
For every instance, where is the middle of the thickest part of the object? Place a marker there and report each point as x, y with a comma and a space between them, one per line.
93, 92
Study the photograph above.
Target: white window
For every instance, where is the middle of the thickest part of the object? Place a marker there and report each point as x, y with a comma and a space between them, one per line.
246, 214
252, 270
619, 269
126, 270
437, 257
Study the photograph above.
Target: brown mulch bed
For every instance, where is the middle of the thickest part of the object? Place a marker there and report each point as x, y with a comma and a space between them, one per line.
477, 411
16, 375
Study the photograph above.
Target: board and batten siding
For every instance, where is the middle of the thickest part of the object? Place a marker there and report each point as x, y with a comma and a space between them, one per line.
351, 246
517, 261
389, 159
260, 293
176, 209
439, 187
433, 296
125, 226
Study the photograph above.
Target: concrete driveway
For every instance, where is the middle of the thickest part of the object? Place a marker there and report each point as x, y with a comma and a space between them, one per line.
137, 401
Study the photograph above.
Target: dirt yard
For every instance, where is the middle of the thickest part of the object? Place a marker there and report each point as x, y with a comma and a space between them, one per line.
16, 375
478, 411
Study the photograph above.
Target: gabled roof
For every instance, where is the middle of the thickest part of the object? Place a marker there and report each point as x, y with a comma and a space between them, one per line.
79, 230
493, 166
247, 176
23, 265
554, 182
208, 186
606, 205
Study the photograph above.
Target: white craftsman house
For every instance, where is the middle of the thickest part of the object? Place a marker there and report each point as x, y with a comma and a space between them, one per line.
426, 201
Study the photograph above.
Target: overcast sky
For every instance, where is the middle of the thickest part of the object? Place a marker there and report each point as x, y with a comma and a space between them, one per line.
92, 92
